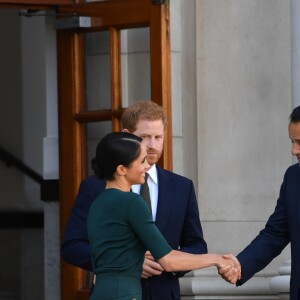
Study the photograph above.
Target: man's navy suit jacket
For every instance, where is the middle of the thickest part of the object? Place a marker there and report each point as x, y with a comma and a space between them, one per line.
282, 228
177, 218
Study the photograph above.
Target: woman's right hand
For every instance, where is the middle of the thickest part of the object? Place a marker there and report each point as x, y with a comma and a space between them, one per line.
229, 264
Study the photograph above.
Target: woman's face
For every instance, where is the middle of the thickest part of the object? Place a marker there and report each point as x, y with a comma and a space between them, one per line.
136, 171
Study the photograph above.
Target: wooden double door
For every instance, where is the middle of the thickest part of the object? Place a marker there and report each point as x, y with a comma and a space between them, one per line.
109, 17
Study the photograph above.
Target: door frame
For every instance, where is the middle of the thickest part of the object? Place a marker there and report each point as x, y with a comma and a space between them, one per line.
113, 15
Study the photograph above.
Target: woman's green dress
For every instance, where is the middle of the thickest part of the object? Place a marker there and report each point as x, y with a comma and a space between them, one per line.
120, 230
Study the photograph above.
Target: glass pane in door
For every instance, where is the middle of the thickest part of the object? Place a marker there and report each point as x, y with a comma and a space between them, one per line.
135, 60
97, 64
95, 132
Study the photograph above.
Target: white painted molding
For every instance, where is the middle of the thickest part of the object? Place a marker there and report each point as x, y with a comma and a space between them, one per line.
281, 284
207, 285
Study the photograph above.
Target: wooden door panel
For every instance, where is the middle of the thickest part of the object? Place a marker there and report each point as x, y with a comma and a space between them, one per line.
160, 54
71, 143
38, 2
115, 13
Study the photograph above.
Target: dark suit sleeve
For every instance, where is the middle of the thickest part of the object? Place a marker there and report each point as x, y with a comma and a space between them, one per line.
75, 248
269, 243
192, 240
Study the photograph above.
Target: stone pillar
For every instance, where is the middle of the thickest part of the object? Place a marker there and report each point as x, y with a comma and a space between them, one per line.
295, 28
243, 102
281, 283
51, 169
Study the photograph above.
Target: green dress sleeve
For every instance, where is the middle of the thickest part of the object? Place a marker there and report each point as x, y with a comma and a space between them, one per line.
140, 219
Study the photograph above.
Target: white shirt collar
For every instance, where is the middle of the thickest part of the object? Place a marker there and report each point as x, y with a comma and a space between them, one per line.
153, 173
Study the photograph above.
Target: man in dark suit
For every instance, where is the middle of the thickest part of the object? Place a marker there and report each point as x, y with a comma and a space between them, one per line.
173, 204
283, 226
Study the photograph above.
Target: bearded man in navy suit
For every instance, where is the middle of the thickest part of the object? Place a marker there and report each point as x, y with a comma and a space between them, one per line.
173, 203
283, 226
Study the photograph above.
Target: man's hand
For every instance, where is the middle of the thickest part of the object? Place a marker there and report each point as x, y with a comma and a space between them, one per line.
231, 274
150, 266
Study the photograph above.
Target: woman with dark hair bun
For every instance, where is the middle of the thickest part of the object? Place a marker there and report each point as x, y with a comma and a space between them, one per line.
117, 148
120, 226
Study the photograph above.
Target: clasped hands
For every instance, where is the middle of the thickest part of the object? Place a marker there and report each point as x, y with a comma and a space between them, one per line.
229, 267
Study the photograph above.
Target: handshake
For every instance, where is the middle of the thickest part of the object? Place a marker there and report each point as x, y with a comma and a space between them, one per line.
229, 268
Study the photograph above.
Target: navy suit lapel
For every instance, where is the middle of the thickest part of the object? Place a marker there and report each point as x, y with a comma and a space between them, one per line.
164, 199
